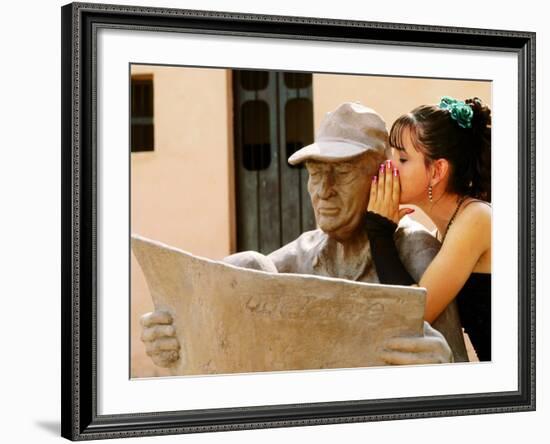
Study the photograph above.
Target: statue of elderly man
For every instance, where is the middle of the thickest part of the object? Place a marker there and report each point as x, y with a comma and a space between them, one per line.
349, 146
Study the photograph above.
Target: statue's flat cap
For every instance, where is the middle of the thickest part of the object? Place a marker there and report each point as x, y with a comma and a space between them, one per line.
348, 131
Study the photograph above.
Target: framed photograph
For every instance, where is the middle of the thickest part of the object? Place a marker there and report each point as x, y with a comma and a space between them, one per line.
207, 160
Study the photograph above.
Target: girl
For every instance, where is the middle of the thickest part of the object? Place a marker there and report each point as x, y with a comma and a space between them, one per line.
441, 162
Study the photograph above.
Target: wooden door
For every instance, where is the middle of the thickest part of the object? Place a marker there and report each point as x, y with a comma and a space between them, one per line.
273, 117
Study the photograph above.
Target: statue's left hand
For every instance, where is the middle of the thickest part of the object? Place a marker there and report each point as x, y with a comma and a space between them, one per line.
432, 348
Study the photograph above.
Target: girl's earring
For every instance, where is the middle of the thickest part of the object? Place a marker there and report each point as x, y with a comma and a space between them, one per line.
430, 195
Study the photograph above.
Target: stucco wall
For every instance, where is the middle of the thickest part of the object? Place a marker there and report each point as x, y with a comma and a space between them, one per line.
186, 183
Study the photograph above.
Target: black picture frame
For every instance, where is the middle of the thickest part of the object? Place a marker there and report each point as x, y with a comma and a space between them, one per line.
80, 22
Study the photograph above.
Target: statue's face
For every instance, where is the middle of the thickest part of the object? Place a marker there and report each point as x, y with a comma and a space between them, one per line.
339, 193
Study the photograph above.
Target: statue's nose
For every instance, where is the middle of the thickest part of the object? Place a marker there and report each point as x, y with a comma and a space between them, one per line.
326, 187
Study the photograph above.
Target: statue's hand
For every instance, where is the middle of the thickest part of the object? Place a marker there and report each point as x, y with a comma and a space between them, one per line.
432, 348
159, 336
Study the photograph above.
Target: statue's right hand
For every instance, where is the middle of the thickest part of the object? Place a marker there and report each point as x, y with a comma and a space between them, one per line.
159, 336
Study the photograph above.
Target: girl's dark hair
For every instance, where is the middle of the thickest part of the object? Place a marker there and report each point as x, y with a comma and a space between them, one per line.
438, 136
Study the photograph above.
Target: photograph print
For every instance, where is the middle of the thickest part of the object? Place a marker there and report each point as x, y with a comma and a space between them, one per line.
298, 221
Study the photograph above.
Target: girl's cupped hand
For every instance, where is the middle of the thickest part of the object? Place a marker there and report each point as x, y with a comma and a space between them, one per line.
385, 192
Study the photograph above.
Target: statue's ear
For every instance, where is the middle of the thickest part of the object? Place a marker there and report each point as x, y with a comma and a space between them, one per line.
439, 170
373, 160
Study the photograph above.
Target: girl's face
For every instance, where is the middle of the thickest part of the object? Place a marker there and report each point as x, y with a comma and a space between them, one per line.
413, 172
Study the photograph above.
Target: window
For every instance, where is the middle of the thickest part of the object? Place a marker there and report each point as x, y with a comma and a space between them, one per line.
298, 126
256, 135
141, 117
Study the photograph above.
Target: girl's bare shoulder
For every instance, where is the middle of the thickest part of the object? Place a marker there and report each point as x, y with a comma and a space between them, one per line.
474, 219
475, 211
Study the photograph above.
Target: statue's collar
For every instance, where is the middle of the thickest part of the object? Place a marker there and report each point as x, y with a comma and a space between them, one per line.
347, 260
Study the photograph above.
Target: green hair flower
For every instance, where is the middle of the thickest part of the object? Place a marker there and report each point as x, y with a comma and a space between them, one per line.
460, 111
